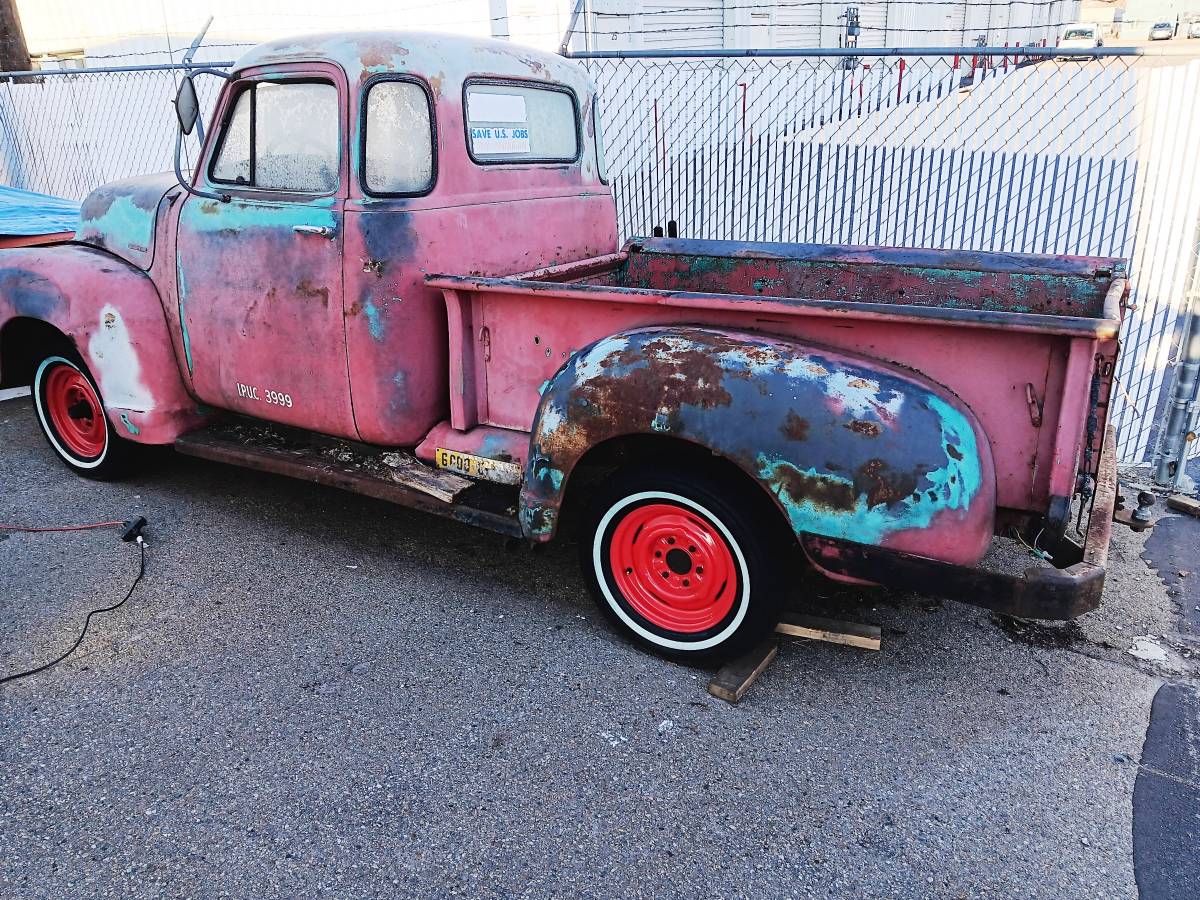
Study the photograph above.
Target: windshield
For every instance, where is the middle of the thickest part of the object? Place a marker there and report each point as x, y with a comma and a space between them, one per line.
1075, 34
1163, 25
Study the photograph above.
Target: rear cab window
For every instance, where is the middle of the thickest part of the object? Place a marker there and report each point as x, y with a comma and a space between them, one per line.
281, 136
518, 122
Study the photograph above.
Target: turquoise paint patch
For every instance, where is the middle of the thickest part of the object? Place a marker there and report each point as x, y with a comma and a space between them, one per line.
537, 519
954, 486
239, 215
129, 426
183, 329
374, 319
123, 225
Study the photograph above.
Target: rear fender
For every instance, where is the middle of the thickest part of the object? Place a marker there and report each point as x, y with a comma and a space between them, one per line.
847, 447
112, 313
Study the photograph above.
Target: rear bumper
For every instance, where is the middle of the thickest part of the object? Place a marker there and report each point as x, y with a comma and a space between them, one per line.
1041, 592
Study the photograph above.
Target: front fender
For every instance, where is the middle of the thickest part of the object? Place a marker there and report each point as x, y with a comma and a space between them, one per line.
848, 447
112, 312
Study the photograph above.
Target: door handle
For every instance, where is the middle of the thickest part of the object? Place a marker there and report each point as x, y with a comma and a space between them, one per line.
319, 230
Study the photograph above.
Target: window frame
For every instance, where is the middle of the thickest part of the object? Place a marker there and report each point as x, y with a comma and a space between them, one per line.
523, 83
363, 104
251, 84
598, 138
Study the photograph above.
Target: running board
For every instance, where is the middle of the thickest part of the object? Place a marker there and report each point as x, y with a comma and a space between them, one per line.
392, 476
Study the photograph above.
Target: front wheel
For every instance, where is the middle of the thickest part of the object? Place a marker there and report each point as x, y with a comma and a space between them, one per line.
72, 417
685, 565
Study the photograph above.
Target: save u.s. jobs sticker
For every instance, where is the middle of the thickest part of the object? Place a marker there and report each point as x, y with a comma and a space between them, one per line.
508, 132
500, 140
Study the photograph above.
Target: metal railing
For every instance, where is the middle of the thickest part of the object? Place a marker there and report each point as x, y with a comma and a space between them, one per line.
989, 149
993, 149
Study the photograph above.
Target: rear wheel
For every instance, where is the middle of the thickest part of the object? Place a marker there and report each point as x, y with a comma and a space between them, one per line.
684, 564
72, 417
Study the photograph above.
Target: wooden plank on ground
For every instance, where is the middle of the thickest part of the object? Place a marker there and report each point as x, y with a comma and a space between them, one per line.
731, 683
1188, 505
867, 637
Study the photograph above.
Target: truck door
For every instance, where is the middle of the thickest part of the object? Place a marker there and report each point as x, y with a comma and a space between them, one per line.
260, 276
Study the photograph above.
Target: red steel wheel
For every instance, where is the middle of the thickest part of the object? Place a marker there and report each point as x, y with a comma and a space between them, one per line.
72, 415
673, 567
75, 411
687, 563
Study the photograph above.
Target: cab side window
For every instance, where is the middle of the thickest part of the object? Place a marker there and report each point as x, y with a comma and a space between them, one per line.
281, 136
398, 149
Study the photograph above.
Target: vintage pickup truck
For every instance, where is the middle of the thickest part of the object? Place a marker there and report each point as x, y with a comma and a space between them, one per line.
710, 416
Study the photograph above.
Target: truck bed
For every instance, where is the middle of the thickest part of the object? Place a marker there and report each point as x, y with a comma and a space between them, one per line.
1071, 287
1027, 341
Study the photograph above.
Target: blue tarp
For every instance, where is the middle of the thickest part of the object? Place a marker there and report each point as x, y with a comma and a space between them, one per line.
27, 213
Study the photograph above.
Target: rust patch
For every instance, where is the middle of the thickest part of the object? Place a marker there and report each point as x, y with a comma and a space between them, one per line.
828, 492
880, 485
954, 452
381, 55
794, 427
865, 428
651, 381
306, 289
109, 320
860, 383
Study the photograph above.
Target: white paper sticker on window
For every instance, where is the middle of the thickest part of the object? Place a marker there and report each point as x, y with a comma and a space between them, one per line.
500, 140
496, 107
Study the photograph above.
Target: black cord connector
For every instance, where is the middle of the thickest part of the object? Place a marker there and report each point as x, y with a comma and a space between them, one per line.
133, 529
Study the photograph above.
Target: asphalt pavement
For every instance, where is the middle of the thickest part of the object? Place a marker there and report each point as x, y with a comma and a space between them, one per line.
316, 694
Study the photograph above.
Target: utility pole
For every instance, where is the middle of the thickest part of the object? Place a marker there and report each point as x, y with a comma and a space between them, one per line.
850, 39
498, 11
14, 55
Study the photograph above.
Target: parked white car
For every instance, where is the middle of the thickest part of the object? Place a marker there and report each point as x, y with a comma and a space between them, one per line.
1081, 36
1194, 29
1162, 31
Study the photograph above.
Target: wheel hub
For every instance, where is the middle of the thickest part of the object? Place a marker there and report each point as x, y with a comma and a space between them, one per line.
75, 411
673, 567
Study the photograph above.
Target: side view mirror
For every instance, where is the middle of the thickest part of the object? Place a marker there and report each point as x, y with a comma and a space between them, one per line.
187, 105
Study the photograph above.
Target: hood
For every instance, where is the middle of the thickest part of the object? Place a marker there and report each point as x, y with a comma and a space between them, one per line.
120, 216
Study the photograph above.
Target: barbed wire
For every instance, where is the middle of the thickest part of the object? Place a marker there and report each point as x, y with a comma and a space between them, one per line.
785, 4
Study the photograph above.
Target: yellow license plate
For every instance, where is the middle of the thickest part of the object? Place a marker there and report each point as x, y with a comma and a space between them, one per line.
477, 466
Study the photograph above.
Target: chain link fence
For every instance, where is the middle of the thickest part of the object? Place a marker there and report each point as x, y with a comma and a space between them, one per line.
975, 149
66, 132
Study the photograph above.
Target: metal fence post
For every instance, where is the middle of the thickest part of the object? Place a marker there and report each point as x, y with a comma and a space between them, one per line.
1170, 461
